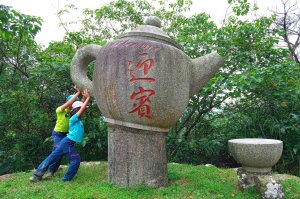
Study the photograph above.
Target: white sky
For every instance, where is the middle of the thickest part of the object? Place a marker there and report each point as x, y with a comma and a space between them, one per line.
51, 31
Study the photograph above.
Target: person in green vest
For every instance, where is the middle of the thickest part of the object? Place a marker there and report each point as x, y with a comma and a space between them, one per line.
61, 128
66, 146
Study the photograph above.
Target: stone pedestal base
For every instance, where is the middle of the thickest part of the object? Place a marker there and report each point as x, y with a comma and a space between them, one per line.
246, 179
267, 185
136, 156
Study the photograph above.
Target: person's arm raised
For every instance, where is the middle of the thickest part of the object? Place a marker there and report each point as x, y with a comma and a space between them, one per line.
71, 101
82, 109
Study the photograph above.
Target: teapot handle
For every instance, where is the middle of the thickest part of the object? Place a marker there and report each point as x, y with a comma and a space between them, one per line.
79, 64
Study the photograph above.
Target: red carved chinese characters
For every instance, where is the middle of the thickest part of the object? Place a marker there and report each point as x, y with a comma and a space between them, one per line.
142, 107
134, 79
145, 66
142, 96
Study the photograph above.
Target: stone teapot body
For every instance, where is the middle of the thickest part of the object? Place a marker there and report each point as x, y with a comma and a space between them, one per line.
142, 80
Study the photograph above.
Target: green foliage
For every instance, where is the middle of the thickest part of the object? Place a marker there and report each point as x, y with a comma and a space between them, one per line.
271, 109
17, 45
257, 85
20, 118
244, 45
184, 181
195, 34
30, 95
240, 7
118, 16
114, 18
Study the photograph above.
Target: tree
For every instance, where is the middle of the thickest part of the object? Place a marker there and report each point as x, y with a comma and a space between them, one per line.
289, 22
17, 57
17, 44
33, 83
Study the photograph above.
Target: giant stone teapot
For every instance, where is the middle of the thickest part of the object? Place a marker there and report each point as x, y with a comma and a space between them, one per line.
142, 83
142, 79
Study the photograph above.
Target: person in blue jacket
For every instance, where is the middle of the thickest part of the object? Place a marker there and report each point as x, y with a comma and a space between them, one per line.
66, 145
61, 128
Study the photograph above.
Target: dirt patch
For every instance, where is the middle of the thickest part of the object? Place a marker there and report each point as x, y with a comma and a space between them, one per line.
183, 182
5, 176
91, 163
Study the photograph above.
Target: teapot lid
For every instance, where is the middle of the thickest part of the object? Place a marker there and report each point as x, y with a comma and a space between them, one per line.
150, 31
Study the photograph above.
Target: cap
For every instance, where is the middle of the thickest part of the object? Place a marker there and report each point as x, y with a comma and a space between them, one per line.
70, 96
77, 104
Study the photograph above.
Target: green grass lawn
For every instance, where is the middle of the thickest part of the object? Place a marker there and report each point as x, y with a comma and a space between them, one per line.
185, 181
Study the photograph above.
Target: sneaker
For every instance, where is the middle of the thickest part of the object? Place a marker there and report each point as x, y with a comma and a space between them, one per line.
35, 178
48, 175
64, 180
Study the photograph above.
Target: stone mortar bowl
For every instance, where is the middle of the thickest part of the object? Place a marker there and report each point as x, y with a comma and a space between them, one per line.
256, 155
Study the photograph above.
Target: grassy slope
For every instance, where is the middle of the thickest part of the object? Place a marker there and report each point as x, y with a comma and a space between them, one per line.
185, 181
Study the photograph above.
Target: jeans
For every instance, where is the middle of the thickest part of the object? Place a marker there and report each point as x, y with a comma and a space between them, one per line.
65, 148
57, 137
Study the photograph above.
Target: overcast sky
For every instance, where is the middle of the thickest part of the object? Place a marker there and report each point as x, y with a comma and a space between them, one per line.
51, 31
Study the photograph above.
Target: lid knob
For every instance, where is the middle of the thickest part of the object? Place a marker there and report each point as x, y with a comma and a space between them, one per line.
153, 21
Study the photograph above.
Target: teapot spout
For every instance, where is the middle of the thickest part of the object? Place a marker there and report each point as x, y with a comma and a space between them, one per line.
203, 68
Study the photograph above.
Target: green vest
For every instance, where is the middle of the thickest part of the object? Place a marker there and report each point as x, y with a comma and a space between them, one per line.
62, 121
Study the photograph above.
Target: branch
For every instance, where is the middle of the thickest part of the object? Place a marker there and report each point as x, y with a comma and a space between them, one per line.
296, 43
225, 17
211, 104
290, 45
62, 23
200, 114
112, 27
185, 121
10, 63
19, 47
204, 111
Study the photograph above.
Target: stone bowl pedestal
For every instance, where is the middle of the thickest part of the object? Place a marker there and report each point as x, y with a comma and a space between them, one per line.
256, 155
